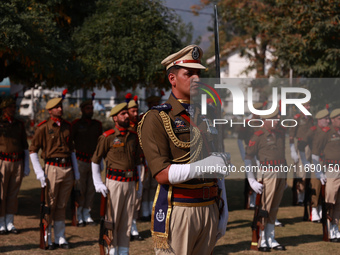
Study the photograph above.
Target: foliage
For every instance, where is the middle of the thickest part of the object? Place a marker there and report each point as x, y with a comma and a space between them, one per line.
88, 43
123, 43
302, 35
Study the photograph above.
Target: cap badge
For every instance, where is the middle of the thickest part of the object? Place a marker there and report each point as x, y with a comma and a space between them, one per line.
195, 53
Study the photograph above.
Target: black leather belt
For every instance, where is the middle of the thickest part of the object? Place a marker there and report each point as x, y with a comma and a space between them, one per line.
62, 162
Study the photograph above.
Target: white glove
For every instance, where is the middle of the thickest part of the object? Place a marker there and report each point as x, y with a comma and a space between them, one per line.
37, 169
320, 175
97, 180
255, 185
241, 148
222, 224
75, 166
140, 184
26, 163
293, 153
179, 173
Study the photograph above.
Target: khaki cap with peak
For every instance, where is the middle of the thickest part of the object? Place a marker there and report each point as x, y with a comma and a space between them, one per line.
189, 57
53, 103
258, 106
118, 108
322, 114
132, 104
86, 102
272, 115
335, 113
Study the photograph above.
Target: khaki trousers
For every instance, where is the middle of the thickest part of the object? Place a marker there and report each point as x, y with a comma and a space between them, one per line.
59, 184
85, 186
315, 190
273, 188
192, 230
333, 197
122, 206
149, 188
11, 174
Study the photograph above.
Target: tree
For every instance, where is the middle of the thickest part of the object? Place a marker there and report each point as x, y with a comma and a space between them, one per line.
123, 43
302, 35
88, 43
309, 37
35, 45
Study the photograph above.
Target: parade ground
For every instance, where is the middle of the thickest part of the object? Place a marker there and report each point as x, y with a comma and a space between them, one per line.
299, 237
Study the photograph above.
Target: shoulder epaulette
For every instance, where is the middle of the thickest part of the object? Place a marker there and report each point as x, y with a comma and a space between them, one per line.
162, 107
313, 128
97, 121
297, 116
259, 132
44, 121
75, 121
133, 132
326, 129
109, 132
67, 122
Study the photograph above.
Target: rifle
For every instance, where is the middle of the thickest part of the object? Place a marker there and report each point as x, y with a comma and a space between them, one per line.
324, 216
307, 200
44, 210
104, 227
218, 76
257, 225
75, 193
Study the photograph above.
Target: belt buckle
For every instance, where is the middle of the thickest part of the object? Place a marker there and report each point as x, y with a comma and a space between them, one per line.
63, 161
128, 174
206, 193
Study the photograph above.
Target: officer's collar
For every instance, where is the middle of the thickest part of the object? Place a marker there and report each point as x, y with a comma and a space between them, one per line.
177, 107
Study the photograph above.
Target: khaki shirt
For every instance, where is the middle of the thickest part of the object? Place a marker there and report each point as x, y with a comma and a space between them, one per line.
120, 152
54, 141
85, 134
267, 145
327, 143
246, 132
13, 137
133, 127
304, 123
159, 150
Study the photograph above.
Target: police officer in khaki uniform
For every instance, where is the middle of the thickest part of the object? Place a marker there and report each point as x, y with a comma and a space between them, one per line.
134, 118
304, 123
185, 217
328, 143
322, 118
53, 137
14, 163
120, 149
244, 134
149, 183
85, 133
268, 145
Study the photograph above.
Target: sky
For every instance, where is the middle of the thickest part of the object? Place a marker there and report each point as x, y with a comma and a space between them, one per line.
200, 23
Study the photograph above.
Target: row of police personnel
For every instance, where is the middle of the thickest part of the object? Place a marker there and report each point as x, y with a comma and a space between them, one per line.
186, 201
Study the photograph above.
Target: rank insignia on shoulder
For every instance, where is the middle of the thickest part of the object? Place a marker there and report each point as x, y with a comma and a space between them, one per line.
162, 107
251, 143
179, 123
326, 129
296, 116
109, 132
